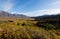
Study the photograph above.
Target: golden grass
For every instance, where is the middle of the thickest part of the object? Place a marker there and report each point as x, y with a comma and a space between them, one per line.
10, 30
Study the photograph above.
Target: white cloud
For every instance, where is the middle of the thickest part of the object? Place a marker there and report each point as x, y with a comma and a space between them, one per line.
43, 12
54, 4
7, 5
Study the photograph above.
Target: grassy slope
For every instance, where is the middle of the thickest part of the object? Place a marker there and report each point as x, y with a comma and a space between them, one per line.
15, 30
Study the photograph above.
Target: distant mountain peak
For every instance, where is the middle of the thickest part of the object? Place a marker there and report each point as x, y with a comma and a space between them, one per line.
4, 14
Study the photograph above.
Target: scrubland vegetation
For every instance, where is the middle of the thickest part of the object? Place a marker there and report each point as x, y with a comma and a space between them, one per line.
27, 29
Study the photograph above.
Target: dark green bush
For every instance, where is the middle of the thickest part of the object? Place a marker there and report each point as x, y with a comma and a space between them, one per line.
49, 26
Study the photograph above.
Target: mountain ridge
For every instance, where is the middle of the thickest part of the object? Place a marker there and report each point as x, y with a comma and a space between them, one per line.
47, 17
7, 14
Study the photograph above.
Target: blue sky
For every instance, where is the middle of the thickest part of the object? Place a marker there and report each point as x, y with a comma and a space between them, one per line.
31, 7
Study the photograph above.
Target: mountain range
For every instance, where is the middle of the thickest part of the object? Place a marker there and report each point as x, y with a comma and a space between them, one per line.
44, 17
7, 14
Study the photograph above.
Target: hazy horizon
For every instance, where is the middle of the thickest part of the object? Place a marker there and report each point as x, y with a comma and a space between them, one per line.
31, 7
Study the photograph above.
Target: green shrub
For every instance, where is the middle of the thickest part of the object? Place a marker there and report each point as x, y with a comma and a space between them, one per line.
49, 26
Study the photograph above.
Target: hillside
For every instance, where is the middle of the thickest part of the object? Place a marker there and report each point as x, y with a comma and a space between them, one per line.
49, 19
26, 29
44, 17
16, 26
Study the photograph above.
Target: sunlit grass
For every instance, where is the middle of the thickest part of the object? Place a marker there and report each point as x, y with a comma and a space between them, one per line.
15, 30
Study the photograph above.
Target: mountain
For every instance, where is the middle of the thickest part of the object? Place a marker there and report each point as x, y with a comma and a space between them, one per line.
47, 17
7, 14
